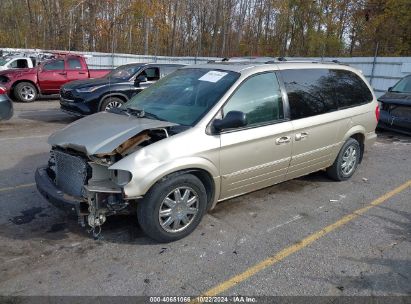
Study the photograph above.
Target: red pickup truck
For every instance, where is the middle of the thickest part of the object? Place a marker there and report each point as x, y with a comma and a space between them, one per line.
46, 78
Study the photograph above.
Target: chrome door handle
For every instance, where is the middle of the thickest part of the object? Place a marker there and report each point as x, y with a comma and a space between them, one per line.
283, 140
300, 136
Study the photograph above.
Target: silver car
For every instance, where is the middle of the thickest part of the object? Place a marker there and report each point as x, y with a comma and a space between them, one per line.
207, 133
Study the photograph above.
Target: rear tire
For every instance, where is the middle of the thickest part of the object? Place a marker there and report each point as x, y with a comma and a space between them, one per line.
172, 208
25, 92
346, 162
111, 102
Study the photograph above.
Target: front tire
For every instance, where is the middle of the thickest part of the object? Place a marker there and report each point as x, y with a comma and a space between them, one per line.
346, 162
110, 103
25, 92
172, 208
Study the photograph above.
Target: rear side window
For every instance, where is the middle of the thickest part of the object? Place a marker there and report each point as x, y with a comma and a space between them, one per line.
74, 64
310, 92
317, 91
54, 65
259, 97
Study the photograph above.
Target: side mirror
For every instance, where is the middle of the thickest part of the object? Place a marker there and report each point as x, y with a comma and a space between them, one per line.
140, 79
389, 89
233, 119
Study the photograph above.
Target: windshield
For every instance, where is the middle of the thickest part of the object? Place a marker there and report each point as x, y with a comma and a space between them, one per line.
403, 86
3, 61
185, 96
124, 72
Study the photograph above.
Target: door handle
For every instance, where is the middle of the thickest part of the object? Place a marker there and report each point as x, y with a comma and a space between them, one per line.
82, 72
62, 73
283, 140
300, 136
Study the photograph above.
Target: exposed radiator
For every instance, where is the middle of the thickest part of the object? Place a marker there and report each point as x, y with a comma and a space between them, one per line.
71, 173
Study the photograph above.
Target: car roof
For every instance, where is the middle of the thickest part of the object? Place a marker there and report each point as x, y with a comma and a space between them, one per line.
152, 63
253, 67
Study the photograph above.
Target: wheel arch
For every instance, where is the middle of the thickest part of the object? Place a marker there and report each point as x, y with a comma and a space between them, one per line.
206, 179
357, 133
203, 169
13, 86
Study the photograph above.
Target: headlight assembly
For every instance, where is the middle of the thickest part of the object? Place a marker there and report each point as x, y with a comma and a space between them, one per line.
89, 89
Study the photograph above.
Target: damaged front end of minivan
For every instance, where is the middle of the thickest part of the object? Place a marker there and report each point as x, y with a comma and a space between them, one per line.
79, 178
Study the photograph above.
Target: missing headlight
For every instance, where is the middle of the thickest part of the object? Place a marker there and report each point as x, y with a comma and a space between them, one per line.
121, 177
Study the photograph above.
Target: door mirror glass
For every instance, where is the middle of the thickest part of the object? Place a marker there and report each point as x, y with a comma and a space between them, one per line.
233, 119
139, 79
389, 89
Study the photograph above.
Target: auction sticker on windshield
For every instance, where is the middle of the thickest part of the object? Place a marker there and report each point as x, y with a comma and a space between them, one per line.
212, 76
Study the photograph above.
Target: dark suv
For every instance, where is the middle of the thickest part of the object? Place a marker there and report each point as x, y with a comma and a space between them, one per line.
396, 107
85, 97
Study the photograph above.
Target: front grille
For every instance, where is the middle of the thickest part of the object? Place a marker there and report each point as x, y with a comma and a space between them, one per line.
399, 111
71, 173
67, 94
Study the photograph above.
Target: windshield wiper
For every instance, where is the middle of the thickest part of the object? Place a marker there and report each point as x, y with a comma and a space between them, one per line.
141, 113
120, 111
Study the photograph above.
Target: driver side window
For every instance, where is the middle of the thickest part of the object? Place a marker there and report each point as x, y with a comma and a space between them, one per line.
259, 97
152, 74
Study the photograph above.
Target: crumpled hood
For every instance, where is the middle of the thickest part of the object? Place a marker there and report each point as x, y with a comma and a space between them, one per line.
102, 132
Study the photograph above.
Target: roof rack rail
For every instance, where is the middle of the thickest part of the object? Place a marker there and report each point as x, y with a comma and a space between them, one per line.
270, 60
284, 60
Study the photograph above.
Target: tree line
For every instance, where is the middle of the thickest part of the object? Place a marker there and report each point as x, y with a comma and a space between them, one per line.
221, 28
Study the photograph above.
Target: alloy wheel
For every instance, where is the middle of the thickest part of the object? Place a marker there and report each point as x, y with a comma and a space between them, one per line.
27, 93
178, 209
349, 160
113, 104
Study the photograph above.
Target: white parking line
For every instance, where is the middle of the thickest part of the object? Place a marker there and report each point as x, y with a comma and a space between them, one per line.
17, 187
293, 219
25, 137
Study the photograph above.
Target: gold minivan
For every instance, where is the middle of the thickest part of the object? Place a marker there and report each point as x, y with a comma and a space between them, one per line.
207, 133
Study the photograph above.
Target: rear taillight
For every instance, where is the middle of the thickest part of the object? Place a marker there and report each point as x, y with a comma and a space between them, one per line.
3, 90
377, 112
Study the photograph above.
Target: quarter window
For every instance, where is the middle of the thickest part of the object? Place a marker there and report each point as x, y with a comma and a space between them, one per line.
350, 89
259, 97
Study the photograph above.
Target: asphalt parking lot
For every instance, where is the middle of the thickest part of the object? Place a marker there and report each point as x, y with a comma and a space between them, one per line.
301, 237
